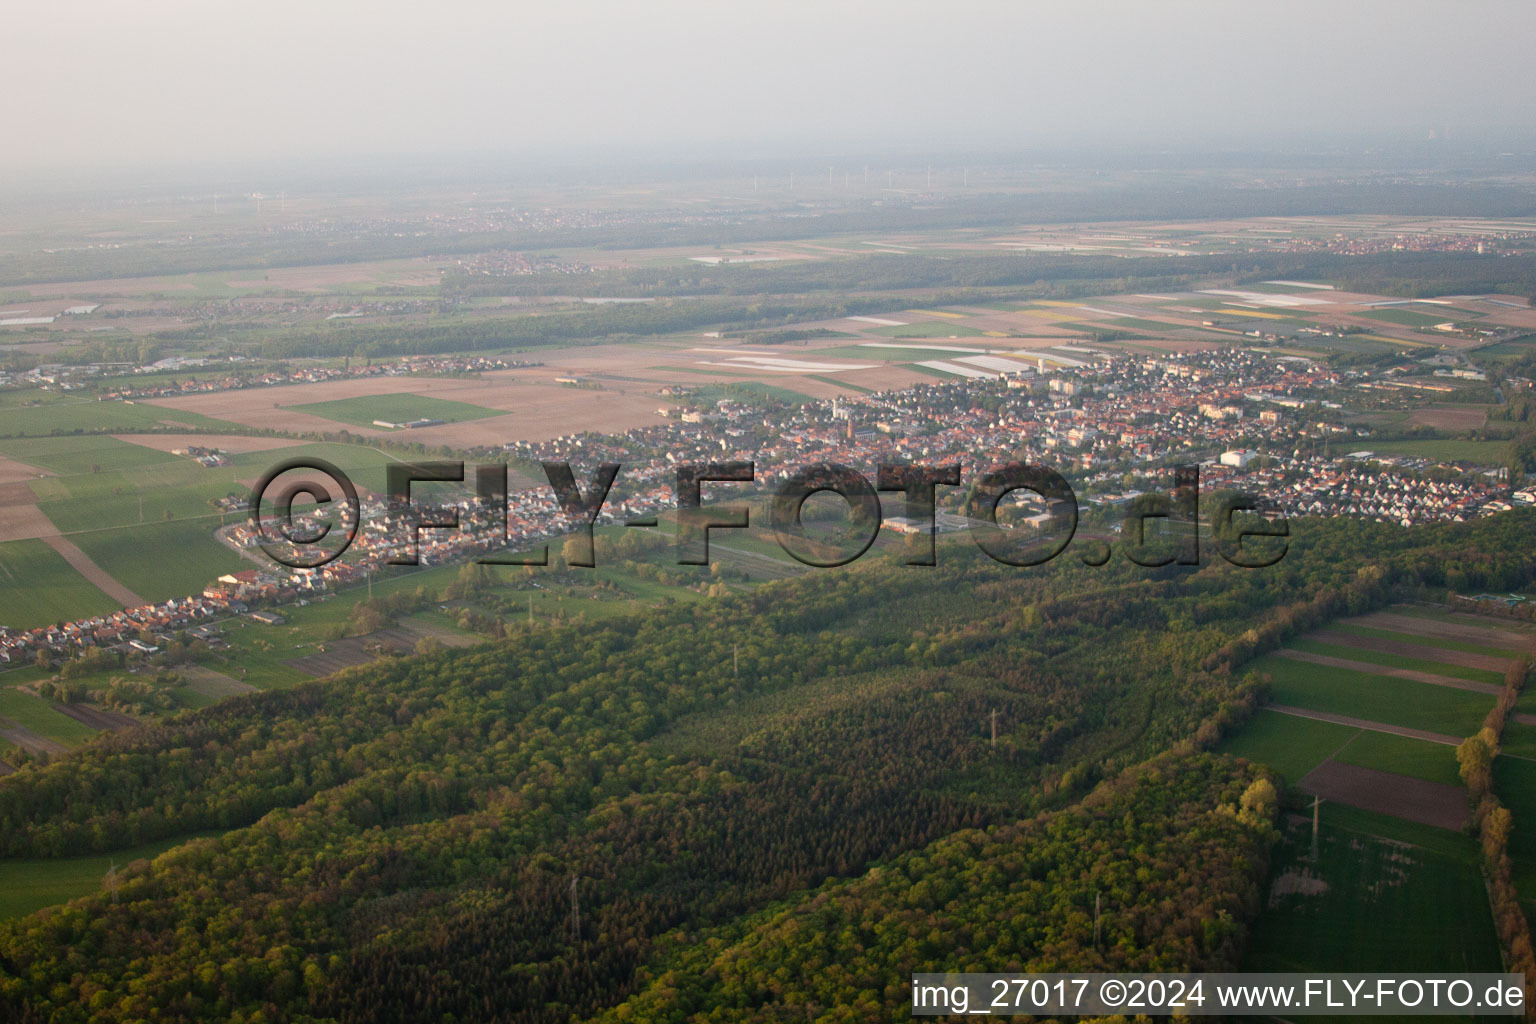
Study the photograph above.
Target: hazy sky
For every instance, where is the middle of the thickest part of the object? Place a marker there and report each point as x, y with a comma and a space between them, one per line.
95, 85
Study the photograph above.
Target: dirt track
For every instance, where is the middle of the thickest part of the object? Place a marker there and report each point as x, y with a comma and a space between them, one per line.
1369, 726
1384, 670
25, 522
93, 572
1432, 803
27, 740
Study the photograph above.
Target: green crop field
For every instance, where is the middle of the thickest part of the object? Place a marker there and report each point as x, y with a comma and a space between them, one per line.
395, 408
158, 561
1406, 317
1291, 746
1482, 453
263, 653
1514, 780
35, 713
749, 391
66, 415
1514, 348
841, 383
871, 354
1140, 324
1427, 641
105, 493
1354, 343
189, 698
1370, 903
117, 497
1476, 675
701, 371
1433, 762
772, 392
29, 885
71, 456
1375, 698
38, 587
1441, 614
1519, 741
925, 329
1270, 288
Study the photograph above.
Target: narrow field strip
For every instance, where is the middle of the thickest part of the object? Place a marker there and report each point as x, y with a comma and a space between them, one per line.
1406, 649
1361, 723
1459, 629
1429, 803
94, 573
1385, 670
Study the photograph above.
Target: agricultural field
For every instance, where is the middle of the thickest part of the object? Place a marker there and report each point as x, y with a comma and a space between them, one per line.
749, 391
1355, 694
1479, 453
1514, 780
270, 658
1407, 317
38, 717
1450, 418
904, 354
1291, 746
1392, 880
507, 404
163, 487
1519, 739
1401, 755
1496, 647
161, 560
1477, 668
28, 885
129, 521
364, 411
1364, 714
80, 455
67, 415
1380, 895
1514, 348
38, 587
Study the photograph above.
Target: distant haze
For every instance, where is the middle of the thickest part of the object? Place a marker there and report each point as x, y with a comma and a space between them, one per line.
97, 86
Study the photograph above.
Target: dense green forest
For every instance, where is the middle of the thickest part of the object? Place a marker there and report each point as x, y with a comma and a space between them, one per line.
743, 793
1173, 849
